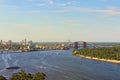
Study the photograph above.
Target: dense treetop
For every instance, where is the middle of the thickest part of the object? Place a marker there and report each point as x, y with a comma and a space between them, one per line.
112, 53
25, 76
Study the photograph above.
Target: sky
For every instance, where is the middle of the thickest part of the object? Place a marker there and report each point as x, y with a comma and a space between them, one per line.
60, 20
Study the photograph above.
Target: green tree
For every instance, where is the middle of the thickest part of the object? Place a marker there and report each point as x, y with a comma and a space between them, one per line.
39, 76
27, 76
2, 77
104, 53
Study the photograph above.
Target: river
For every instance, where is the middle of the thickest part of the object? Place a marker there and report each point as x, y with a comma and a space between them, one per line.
59, 65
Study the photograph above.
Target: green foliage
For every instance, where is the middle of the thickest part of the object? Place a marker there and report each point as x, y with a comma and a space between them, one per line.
38, 76
25, 76
13, 47
2, 77
112, 53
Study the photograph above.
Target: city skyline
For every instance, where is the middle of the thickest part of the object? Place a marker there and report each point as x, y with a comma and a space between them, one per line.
60, 20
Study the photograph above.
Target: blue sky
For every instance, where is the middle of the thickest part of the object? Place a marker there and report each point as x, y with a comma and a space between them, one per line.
60, 20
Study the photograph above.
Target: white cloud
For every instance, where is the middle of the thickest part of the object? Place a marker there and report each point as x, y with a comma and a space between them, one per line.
50, 1
113, 11
40, 4
71, 22
34, 11
103, 0
8, 6
65, 4
30, 0
109, 11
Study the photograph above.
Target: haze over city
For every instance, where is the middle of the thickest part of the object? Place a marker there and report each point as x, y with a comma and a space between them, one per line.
60, 20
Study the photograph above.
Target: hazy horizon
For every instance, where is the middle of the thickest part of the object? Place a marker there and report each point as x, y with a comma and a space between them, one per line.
60, 20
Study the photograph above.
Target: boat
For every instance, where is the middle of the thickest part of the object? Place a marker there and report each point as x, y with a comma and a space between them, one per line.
13, 67
65, 48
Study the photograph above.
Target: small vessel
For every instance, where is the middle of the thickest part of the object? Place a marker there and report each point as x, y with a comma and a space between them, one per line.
13, 67
65, 48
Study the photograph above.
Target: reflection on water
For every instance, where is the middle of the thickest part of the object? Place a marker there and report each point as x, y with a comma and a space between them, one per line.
59, 65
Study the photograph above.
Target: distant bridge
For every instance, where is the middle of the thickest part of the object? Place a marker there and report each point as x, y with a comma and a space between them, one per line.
88, 44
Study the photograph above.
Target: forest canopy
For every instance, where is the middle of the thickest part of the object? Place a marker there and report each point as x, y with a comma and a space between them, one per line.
112, 53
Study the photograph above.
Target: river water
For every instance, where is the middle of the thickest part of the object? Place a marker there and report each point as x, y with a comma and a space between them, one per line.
59, 65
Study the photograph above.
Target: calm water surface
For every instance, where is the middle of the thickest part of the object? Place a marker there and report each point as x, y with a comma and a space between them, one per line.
59, 65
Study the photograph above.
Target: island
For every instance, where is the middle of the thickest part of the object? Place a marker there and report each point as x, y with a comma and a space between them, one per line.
108, 54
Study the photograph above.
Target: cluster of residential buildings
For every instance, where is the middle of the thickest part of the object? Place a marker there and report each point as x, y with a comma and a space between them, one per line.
25, 46
53, 46
15, 46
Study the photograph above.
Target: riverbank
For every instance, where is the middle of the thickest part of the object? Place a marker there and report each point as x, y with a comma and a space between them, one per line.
95, 58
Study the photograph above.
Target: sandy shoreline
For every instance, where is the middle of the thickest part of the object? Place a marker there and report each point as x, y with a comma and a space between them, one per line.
105, 60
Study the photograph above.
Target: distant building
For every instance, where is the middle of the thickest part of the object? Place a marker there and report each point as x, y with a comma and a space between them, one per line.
30, 43
62, 45
9, 42
37, 46
4, 43
84, 44
76, 45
